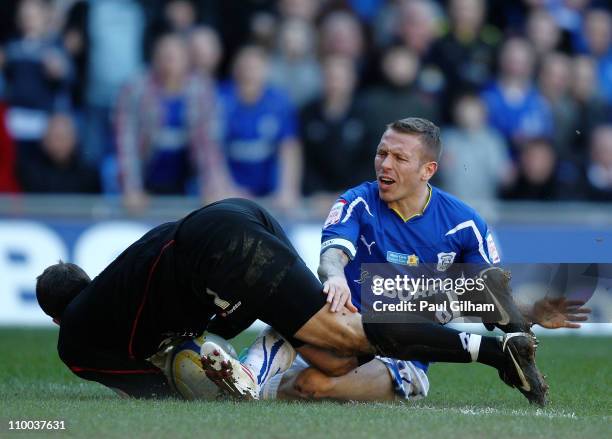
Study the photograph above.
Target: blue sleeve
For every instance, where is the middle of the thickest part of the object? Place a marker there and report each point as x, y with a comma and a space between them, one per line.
341, 228
479, 246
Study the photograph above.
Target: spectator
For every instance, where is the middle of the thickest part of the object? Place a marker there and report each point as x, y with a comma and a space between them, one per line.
174, 16
264, 27
599, 170
341, 34
56, 166
591, 108
305, 10
598, 34
112, 32
466, 54
515, 106
336, 152
475, 163
180, 16
265, 24
384, 27
417, 30
399, 96
417, 25
205, 51
8, 180
554, 81
537, 175
294, 67
37, 73
260, 132
543, 32
165, 130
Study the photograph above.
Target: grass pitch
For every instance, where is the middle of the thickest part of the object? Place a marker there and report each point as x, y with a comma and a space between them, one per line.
464, 401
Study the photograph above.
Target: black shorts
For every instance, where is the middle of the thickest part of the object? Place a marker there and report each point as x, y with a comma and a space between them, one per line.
249, 269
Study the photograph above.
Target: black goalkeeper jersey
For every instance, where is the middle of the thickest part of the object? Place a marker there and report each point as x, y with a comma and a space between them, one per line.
217, 260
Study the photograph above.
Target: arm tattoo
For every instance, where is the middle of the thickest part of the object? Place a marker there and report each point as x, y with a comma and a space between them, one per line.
332, 263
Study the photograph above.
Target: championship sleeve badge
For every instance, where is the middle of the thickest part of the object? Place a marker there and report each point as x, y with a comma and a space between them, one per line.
335, 213
493, 253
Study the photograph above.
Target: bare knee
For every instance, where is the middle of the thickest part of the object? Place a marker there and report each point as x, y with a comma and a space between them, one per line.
312, 383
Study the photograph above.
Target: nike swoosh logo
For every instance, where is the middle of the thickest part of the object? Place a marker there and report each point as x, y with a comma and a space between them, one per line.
525, 385
505, 318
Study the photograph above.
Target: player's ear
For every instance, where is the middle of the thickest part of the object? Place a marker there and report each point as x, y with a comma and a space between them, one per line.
428, 169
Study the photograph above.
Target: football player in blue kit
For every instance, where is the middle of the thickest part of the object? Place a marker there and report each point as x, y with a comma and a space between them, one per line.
402, 220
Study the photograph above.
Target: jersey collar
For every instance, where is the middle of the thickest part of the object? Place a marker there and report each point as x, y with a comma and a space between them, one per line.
416, 214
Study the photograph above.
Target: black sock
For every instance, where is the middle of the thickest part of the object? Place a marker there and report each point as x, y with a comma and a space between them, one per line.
490, 352
432, 342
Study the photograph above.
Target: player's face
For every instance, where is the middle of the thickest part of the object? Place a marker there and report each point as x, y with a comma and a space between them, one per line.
400, 166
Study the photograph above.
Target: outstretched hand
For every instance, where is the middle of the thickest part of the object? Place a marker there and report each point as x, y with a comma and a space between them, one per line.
338, 294
559, 313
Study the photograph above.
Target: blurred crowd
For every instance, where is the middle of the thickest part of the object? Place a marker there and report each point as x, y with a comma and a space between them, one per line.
281, 99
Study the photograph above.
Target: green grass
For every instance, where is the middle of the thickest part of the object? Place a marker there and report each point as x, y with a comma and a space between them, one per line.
464, 401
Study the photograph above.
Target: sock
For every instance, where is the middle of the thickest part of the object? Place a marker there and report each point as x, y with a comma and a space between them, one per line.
490, 352
473, 344
432, 342
269, 355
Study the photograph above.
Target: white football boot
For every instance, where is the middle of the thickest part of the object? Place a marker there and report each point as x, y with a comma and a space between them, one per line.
227, 372
269, 355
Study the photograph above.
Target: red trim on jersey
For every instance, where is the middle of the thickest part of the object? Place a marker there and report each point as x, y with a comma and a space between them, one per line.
144, 296
114, 372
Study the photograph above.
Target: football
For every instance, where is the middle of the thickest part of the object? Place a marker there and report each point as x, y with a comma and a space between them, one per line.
186, 371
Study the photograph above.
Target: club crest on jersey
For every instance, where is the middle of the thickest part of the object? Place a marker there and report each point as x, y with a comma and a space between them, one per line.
493, 254
335, 213
445, 260
402, 259
413, 260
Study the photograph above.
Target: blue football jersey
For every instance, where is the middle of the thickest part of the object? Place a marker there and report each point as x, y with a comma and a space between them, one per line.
253, 134
448, 231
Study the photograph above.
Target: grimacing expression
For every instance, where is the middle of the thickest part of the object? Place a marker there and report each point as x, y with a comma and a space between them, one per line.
401, 165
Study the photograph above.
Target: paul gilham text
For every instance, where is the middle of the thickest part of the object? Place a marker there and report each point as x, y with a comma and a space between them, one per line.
454, 306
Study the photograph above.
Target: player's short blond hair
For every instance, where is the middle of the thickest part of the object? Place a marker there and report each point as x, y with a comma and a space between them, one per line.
428, 132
